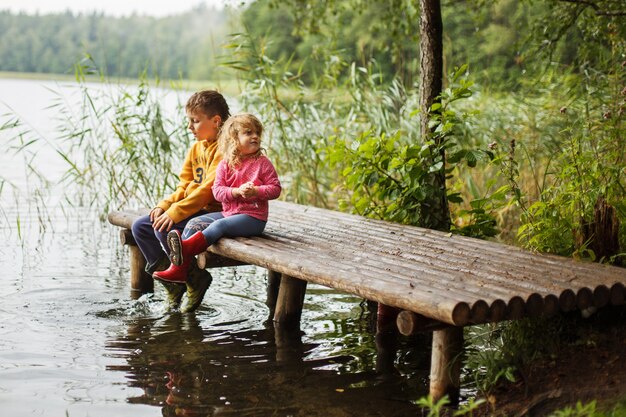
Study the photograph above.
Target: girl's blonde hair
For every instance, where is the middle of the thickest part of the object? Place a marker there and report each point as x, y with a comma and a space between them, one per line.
228, 139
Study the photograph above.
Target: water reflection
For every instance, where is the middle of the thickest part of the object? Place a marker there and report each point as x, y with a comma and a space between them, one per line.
189, 368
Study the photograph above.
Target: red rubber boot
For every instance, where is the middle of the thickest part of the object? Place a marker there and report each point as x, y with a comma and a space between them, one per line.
181, 251
175, 273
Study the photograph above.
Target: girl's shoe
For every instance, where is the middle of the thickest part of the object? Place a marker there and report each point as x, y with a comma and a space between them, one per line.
174, 274
182, 250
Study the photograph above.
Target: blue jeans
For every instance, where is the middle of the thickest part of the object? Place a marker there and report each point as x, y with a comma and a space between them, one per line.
214, 226
152, 243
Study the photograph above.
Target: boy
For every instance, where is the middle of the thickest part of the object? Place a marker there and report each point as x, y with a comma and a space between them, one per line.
206, 110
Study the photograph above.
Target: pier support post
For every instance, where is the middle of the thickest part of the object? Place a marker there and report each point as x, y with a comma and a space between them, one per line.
273, 285
290, 301
445, 366
140, 281
289, 347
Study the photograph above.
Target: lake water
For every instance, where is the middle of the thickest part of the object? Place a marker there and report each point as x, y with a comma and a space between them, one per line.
73, 342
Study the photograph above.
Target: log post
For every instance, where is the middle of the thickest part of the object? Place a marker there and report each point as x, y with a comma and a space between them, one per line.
584, 298
445, 366
386, 349
386, 338
617, 294
289, 345
273, 285
386, 318
290, 301
410, 323
497, 310
601, 296
480, 311
551, 303
140, 281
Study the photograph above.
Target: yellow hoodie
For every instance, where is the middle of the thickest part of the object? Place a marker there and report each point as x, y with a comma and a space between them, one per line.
193, 192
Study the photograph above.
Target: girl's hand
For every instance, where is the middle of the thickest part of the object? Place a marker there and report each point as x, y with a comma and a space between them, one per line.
248, 190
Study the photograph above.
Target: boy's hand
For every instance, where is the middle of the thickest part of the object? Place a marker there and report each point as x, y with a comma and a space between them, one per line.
156, 212
163, 223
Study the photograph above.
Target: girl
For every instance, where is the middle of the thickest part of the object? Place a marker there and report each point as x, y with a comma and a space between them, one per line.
244, 182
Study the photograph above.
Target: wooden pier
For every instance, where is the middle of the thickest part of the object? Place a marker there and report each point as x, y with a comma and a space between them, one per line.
441, 282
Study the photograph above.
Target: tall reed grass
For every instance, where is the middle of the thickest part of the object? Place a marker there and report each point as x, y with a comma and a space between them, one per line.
120, 147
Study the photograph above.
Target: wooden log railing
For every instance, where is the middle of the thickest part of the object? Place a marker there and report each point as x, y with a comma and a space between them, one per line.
439, 281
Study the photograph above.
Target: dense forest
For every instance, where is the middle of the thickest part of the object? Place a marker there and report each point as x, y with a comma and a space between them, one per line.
179, 46
500, 40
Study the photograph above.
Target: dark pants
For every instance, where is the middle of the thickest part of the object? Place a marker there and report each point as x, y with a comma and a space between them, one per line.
152, 243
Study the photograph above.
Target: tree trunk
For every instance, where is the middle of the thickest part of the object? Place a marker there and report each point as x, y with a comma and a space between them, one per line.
436, 214
431, 58
601, 235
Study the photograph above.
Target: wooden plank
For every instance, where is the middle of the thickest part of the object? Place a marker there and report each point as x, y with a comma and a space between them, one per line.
616, 273
450, 278
376, 271
341, 277
538, 274
443, 267
212, 260
481, 249
126, 218
290, 250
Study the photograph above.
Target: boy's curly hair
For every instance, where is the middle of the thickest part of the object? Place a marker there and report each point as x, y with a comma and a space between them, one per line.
209, 102
228, 139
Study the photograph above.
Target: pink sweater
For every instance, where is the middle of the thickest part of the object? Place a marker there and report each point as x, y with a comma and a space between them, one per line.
261, 172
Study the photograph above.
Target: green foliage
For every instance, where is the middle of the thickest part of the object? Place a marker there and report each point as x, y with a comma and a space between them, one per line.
434, 407
550, 166
577, 33
590, 410
500, 39
390, 175
438, 408
358, 31
589, 164
295, 128
581, 410
500, 351
507, 43
370, 139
